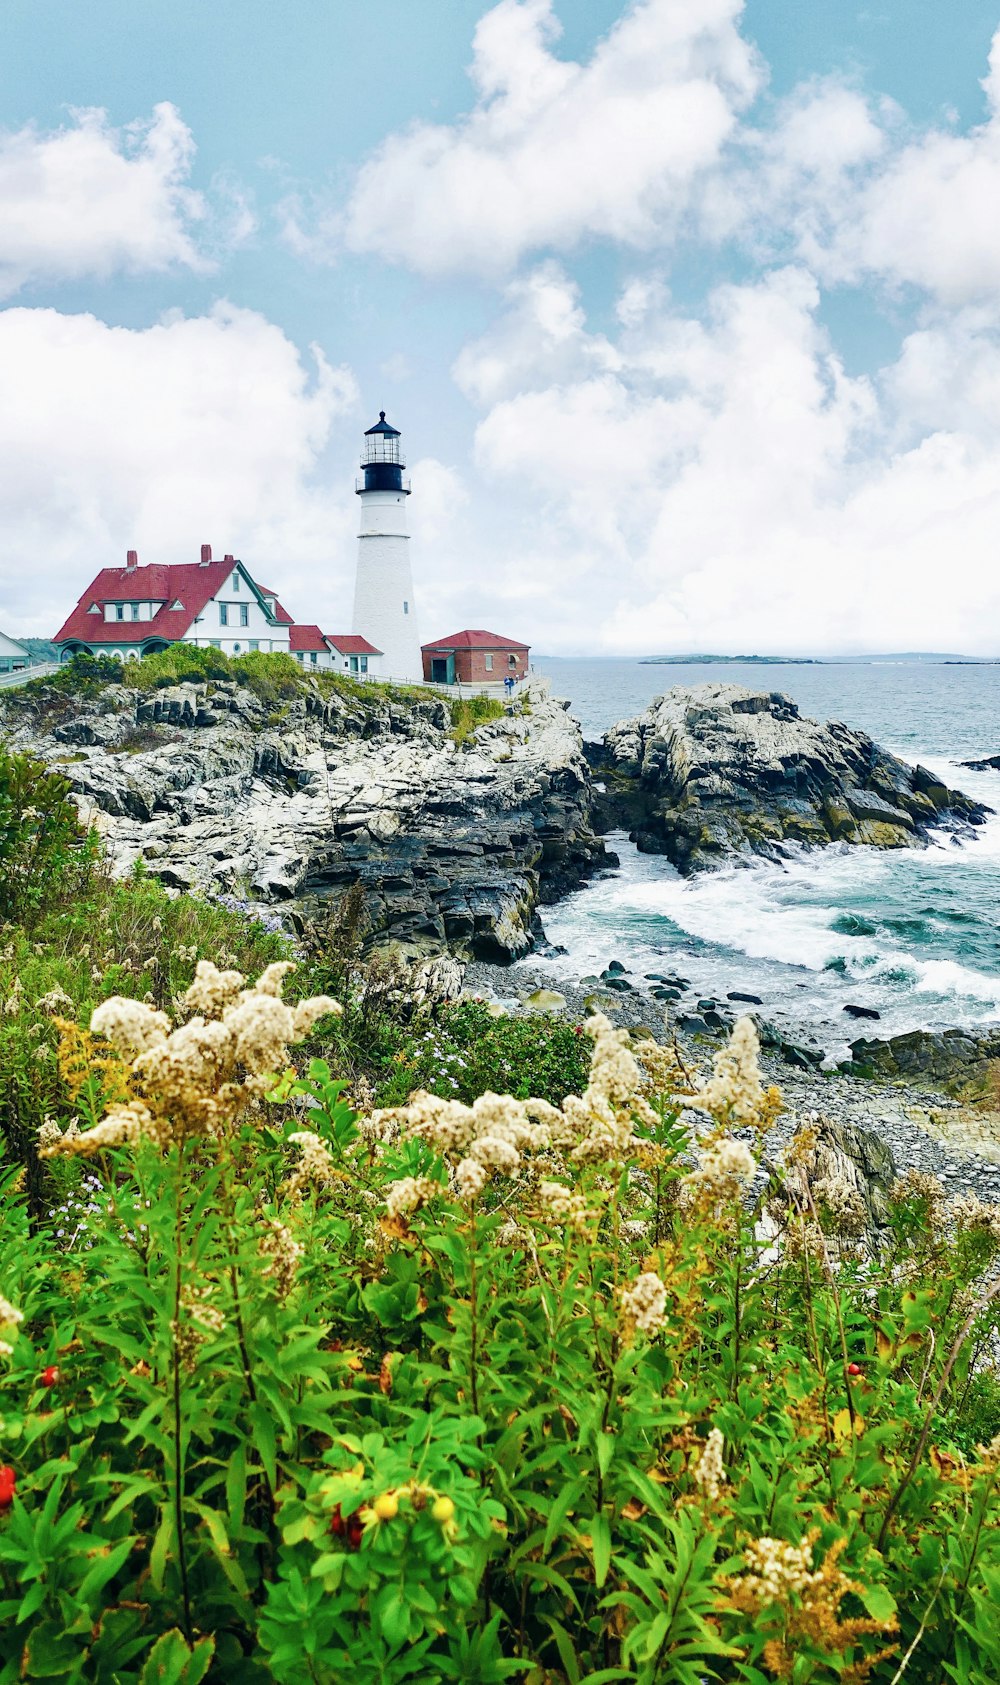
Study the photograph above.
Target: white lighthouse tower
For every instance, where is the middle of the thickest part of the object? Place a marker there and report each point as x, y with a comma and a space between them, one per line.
384, 609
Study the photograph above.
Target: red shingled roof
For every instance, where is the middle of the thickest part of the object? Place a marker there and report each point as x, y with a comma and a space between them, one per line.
192, 584
306, 638
280, 613
475, 640
351, 643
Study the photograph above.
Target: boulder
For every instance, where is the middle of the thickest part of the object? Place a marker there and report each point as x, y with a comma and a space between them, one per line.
714, 771
941, 1056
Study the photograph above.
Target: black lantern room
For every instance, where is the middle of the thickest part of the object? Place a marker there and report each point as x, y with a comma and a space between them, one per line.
382, 459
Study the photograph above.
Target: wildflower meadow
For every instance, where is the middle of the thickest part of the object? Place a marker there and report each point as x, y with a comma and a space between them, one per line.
319, 1363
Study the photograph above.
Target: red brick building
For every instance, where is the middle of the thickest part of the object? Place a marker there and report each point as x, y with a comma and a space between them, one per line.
474, 658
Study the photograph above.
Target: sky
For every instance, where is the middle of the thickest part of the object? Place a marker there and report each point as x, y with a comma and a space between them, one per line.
688, 310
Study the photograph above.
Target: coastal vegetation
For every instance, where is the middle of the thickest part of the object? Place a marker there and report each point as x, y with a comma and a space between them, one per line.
532, 1373
271, 677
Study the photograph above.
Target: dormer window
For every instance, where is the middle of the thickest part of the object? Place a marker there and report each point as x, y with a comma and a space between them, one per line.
176, 604
134, 610
95, 608
119, 611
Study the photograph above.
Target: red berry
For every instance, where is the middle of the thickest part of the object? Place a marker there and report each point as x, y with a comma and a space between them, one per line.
50, 1375
338, 1526
355, 1531
8, 1483
854, 1369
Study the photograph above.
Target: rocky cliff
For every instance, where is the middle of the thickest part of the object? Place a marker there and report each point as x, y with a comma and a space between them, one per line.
219, 790
717, 770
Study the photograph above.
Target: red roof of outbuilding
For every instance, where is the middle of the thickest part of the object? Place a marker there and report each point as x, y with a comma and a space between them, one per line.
476, 640
306, 638
351, 643
192, 584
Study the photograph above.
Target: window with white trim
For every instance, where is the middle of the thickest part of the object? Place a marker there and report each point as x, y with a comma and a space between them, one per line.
223, 614
489, 664
244, 614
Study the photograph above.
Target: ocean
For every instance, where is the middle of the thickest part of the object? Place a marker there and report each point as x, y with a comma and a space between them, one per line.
913, 933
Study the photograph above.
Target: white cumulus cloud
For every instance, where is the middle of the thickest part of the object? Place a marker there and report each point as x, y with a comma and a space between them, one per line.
90, 199
556, 151
726, 484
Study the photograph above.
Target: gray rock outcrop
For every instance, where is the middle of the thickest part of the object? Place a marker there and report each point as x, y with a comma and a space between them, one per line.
216, 790
716, 770
951, 1057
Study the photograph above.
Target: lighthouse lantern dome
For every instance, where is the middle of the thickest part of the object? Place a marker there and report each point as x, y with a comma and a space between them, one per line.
382, 458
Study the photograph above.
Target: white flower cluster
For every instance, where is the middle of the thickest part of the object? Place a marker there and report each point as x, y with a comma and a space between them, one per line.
709, 1473
477, 1140
409, 1194
724, 1169
281, 1253
775, 1569
644, 1305
315, 1163
55, 1001
194, 1078
561, 1205
10, 1317
972, 1215
734, 1093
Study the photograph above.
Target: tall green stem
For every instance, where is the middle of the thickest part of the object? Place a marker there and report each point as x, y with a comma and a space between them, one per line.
177, 1397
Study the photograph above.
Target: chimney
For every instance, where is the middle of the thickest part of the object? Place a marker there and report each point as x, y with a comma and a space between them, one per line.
206, 554
132, 559
228, 558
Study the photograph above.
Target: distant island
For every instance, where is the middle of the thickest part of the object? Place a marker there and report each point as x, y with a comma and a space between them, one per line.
706, 660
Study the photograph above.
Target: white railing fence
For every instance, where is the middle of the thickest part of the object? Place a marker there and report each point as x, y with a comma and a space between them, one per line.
533, 680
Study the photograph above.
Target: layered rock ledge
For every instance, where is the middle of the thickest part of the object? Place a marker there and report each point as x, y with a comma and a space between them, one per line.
716, 770
455, 844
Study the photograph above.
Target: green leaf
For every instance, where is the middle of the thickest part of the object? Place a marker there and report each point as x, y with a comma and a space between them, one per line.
567, 1654
165, 1537
104, 1567
600, 1538
172, 1662
879, 1602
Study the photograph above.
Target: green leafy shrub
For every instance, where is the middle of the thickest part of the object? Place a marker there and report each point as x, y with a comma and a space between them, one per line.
468, 713
472, 1393
464, 1051
43, 847
82, 675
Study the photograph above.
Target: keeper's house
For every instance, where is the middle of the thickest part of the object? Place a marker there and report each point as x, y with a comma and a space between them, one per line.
133, 611
474, 658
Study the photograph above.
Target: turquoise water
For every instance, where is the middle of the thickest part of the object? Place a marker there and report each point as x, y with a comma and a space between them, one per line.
914, 933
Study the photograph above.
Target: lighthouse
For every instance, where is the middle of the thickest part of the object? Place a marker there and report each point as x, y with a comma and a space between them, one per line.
384, 609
